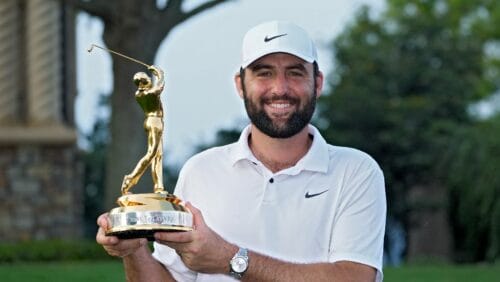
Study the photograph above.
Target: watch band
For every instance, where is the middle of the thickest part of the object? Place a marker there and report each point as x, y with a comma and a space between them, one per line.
242, 252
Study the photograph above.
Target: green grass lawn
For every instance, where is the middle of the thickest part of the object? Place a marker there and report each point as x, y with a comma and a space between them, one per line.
103, 271
80, 271
443, 273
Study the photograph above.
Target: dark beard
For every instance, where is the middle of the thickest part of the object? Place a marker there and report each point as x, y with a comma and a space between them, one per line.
295, 123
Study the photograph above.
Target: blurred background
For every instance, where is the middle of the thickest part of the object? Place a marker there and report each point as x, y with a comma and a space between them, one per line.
413, 83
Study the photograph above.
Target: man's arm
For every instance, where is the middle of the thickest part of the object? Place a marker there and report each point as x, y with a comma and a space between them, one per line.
205, 251
141, 266
262, 268
160, 79
138, 262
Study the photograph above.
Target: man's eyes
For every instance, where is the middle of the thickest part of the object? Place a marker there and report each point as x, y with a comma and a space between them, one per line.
296, 73
264, 73
291, 73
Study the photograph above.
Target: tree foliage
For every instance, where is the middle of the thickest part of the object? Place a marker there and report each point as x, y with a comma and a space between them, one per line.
402, 87
471, 165
222, 137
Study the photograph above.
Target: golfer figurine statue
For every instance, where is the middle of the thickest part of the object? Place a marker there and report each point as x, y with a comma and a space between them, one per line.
148, 97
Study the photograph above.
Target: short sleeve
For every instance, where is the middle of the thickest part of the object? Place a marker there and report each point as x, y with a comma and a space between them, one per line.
169, 258
359, 227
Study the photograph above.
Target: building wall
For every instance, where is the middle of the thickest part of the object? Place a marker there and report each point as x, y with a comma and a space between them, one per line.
39, 193
40, 179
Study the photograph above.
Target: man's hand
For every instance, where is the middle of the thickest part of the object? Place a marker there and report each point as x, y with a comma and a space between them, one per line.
113, 245
201, 249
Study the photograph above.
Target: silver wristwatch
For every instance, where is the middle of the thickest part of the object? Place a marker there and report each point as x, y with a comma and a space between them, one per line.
239, 263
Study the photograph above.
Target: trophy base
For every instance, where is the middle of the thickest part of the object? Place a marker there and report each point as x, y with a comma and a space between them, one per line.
144, 214
133, 234
142, 233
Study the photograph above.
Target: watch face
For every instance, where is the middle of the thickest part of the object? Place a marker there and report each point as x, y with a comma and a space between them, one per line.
239, 264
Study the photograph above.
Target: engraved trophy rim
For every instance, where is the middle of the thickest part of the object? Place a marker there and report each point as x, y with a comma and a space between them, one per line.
137, 224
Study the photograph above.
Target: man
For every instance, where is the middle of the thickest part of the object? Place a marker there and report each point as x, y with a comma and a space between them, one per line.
280, 204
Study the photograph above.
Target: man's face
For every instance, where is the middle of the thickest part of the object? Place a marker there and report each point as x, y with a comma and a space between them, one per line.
280, 92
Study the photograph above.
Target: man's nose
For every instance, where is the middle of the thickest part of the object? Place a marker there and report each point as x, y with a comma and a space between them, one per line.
280, 85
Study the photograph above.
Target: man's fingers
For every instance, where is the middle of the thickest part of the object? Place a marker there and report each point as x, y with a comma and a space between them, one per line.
125, 247
103, 221
178, 247
198, 219
175, 237
112, 244
130, 244
102, 239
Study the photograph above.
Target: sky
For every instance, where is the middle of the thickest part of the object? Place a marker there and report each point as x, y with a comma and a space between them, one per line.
200, 58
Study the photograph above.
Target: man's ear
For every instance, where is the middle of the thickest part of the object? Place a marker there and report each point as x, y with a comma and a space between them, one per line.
238, 84
319, 84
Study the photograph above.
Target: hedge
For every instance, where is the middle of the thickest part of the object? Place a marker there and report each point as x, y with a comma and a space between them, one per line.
53, 250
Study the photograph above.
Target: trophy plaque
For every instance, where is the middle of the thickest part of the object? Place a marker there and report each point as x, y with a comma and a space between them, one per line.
141, 215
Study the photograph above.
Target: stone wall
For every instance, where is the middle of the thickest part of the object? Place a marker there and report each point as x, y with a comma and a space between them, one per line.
40, 179
38, 193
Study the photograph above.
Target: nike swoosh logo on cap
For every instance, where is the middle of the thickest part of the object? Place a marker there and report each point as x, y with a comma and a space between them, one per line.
315, 194
267, 38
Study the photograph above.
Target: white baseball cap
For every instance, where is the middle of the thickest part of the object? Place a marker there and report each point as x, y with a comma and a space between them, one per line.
277, 36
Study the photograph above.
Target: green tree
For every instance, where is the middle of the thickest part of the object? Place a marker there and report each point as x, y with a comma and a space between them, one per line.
403, 84
471, 165
135, 28
222, 137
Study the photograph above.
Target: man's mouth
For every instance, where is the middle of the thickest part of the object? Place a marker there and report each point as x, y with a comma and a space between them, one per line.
279, 109
280, 105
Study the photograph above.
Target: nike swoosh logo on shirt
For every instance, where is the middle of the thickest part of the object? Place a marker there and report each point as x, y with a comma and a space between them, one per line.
314, 194
267, 38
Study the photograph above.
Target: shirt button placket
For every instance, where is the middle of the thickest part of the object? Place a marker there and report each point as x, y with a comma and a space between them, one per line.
270, 189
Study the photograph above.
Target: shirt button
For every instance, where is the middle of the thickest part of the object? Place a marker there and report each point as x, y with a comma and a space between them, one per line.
271, 180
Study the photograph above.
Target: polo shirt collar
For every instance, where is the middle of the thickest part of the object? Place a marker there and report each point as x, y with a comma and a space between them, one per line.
316, 159
241, 150
318, 156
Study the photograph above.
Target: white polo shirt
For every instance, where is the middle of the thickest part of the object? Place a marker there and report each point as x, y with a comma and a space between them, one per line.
329, 207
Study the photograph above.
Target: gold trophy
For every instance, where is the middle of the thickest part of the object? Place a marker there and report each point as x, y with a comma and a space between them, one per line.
141, 215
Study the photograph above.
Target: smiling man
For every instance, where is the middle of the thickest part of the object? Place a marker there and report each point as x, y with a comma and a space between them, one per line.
280, 204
